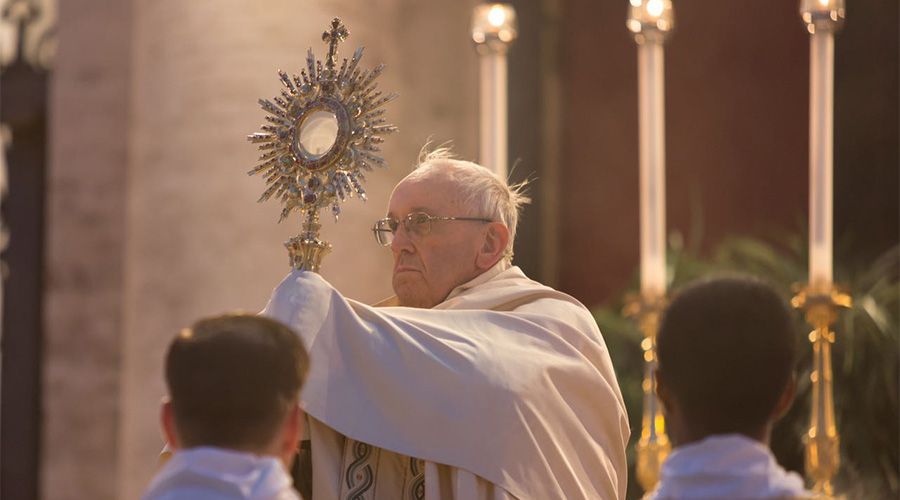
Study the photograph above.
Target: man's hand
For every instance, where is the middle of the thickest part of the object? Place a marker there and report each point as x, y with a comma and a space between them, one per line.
302, 301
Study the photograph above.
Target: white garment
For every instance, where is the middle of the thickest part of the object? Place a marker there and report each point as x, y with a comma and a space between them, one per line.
504, 389
206, 473
726, 466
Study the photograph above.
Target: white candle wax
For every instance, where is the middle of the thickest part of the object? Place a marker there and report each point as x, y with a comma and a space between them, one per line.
651, 107
494, 113
821, 134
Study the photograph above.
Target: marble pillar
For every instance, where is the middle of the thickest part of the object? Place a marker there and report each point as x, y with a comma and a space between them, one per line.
86, 220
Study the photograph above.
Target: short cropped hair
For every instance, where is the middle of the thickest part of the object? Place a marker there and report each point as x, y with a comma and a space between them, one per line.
726, 349
232, 380
481, 192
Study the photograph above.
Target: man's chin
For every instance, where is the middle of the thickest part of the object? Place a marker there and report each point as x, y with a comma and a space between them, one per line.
416, 301
410, 290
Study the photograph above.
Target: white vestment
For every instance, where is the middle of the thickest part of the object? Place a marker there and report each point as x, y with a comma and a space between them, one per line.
206, 473
505, 389
726, 466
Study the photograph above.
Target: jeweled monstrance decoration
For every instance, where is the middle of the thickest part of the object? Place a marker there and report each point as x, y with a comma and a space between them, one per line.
322, 134
820, 298
651, 21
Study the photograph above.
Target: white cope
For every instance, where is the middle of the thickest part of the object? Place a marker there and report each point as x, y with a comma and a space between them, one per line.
505, 389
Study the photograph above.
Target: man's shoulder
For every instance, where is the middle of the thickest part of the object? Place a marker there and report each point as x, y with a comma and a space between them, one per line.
511, 289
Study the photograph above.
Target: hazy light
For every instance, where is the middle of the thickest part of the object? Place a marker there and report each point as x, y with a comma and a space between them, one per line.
492, 23
822, 15
497, 16
634, 25
652, 18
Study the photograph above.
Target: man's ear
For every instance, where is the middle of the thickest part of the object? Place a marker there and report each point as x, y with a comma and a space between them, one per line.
786, 399
167, 422
290, 435
496, 239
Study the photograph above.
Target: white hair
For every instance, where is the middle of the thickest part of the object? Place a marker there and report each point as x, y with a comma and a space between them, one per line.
480, 192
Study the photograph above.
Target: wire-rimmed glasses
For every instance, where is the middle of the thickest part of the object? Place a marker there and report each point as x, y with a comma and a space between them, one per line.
416, 224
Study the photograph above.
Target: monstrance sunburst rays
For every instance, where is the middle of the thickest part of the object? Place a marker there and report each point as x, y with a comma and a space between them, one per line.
323, 133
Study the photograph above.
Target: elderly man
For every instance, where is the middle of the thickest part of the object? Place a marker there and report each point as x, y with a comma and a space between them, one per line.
474, 382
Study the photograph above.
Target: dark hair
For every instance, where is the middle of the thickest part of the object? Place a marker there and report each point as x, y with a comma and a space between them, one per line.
726, 350
232, 379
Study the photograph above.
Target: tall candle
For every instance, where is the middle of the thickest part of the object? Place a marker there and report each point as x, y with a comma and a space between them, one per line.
651, 21
821, 135
493, 29
493, 140
651, 105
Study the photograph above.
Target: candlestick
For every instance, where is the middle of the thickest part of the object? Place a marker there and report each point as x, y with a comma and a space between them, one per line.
822, 440
820, 299
653, 446
493, 30
651, 21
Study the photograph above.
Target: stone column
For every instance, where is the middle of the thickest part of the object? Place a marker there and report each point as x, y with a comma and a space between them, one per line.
85, 243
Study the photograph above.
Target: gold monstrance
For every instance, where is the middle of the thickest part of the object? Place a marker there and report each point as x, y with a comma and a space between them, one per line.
323, 131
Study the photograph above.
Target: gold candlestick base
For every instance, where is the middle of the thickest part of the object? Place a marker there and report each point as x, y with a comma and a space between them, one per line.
822, 440
653, 446
650, 457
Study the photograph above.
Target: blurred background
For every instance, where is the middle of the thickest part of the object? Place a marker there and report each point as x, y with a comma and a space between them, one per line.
127, 214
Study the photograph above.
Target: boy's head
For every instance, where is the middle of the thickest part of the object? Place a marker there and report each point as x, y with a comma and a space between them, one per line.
234, 382
726, 352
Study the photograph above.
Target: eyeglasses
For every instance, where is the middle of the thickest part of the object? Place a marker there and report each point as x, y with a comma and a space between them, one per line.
416, 224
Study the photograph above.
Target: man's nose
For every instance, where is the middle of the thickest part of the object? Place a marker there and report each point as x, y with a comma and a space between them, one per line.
401, 241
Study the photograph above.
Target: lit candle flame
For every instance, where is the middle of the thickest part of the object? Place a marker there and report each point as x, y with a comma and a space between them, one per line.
655, 7
497, 16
